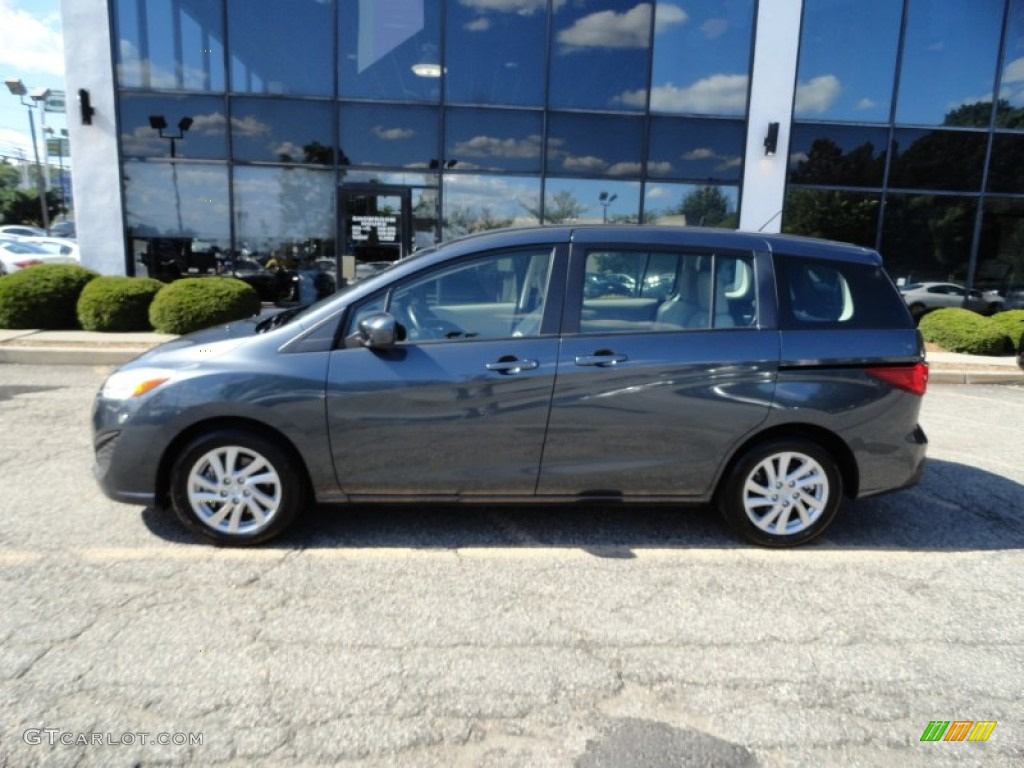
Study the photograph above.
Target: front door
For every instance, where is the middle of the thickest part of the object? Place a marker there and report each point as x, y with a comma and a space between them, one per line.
376, 223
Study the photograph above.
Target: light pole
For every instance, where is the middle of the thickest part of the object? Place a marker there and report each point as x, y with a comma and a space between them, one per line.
17, 88
159, 124
605, 199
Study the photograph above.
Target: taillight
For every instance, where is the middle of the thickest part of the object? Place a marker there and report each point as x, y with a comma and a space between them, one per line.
910, 378
28, 263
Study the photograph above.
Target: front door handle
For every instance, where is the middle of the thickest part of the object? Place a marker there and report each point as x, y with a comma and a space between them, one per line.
604, 358
509, 364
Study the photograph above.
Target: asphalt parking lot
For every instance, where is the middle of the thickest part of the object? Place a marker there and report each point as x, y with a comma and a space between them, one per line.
477, 636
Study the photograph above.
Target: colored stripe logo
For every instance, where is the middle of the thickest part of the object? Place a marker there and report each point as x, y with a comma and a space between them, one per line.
958, 730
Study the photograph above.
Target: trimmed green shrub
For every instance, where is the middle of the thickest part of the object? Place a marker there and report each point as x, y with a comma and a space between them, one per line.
1012, 324
193, 303
117, 303
960, 330
43, 296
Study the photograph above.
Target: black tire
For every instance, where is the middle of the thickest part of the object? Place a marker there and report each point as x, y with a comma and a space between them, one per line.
815, 492
249, 502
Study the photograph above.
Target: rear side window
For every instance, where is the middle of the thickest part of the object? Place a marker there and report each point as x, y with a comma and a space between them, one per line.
816, 293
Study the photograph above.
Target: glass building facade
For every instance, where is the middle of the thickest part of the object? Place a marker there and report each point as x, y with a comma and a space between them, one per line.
360, 130
320, 128
907, 124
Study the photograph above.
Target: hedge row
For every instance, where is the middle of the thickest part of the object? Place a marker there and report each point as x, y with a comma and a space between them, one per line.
960, 330
64, 296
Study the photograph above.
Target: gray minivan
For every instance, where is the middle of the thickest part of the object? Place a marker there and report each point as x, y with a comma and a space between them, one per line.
766, 374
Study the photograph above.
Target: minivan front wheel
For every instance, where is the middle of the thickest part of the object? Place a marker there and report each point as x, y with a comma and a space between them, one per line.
781, 492
236, 487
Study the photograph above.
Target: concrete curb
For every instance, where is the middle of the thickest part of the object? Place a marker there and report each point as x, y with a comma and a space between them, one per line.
975, 377
54, 355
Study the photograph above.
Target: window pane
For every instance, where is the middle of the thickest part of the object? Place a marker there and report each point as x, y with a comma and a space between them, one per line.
949, 60
286, 214
696, 149
476, 203
927, 237
283, 52
193, 127
177, 215
1006, 171
402, 137
493, 140
848, 59
498, 296
391, 49
1011, 89
173, 44
835, 154
591, 201
282, 131
850, 217
491, 52
691, 205
937, 159
594, 145
640, 291
599, 54
815, 294
701, 58
1001, 255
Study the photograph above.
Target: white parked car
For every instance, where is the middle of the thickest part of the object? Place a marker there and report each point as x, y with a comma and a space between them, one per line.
22, 230
18, 254
924, 297
61, 245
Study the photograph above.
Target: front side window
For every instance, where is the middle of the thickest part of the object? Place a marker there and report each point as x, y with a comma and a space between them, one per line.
500, 295
639, 291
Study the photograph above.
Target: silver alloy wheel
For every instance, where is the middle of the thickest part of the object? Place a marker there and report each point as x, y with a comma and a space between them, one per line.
234, 490
786, 493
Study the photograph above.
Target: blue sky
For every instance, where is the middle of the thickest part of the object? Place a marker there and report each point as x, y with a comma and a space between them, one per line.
31, 48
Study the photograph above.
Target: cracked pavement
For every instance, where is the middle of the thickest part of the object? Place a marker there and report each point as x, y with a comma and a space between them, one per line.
492, 636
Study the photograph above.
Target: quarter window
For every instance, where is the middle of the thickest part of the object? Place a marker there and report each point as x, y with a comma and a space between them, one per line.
815, 294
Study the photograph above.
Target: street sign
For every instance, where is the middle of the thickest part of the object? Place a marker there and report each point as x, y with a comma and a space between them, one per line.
56, 101
56, 147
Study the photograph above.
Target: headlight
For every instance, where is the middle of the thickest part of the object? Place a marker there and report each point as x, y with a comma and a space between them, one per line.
124, 385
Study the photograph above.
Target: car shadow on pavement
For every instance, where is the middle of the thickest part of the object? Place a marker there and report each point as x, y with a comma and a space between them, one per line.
955, 507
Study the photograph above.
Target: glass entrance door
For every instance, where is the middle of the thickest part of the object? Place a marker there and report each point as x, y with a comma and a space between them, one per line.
376, 227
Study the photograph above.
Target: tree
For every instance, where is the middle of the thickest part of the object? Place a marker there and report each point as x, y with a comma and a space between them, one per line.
21, 206
707, 207
561, 207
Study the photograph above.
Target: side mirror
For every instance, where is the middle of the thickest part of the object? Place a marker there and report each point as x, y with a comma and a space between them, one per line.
380, 331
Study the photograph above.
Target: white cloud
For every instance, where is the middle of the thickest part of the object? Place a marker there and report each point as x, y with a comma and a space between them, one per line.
478, 25
30, 43
714, 28
608, 29
250, 126
817, 95
866, 103
701, 153
1014, 71
522, 7
729, 162
624, 169
489, 146
392, 134
583, 163
660, 167
717, 94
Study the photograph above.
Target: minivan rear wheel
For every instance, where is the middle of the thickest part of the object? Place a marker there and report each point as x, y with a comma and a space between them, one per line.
781, 492
236, 487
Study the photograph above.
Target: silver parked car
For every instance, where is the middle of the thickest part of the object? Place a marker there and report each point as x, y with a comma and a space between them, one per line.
924, 297
769, 375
